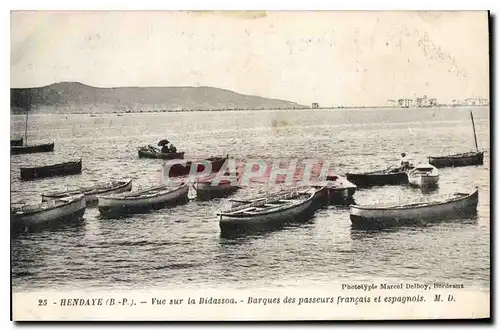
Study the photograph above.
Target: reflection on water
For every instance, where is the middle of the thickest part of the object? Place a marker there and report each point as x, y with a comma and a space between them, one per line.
182, 245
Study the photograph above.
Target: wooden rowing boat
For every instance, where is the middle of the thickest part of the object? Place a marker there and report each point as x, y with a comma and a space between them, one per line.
276, 209
60, 169
390, 176
151, 152
423, 175
47, 214
461, 159
91, 192
216, 185
457, 160
139, 201
25, 149
339, 190
184, 168
414, 211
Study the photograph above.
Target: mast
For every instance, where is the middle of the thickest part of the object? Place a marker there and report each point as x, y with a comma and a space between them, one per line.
26, 129
474, 129
28, 107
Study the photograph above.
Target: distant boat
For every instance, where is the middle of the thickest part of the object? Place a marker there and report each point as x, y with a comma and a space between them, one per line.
144, 200
390, 176
277, 209
47, 214
461, 159
59, 169
423, 175
155, 153
415, 211
41, 148
91, 192
457, 160
16, 142
25, 148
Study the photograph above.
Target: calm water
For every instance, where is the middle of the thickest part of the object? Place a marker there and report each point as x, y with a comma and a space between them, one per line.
182, 246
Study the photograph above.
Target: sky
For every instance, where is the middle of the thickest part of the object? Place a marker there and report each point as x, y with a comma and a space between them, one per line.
331, 57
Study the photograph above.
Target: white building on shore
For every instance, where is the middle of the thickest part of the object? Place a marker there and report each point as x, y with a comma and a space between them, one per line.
420, 102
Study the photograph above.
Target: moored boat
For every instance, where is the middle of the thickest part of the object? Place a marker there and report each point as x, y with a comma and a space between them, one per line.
457, 160
16, 142
139, 201
339, 189
390, 176
47, 214
151, 152
60, 169
276, 195
183, 168
25, 149
461, 159
91, 192
423, 175
211, 186
278, 209
414, 211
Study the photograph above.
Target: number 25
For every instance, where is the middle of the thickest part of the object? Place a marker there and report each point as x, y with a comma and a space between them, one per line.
42, 302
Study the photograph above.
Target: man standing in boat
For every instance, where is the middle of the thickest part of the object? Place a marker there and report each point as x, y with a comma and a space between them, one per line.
405, 164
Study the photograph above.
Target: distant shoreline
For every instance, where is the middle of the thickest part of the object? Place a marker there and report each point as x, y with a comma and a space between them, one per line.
241, 109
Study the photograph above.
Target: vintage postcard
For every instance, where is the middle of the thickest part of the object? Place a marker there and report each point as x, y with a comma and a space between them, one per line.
250, 165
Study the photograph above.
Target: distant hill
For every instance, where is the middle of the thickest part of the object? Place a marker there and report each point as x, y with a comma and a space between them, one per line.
71, 97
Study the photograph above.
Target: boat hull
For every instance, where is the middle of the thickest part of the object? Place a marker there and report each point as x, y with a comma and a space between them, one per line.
111, 206
233, 223
341, 196
377, 218
43, 148
145, 153
206, 191
62, 169
339, 190
91, 198
377, 179
425, 181
178, 170
49, 218
457, 160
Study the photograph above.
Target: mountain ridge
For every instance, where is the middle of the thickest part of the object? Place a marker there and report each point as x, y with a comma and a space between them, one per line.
77, 97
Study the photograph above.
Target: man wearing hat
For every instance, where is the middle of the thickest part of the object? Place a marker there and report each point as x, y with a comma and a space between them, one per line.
165, 148
405, 165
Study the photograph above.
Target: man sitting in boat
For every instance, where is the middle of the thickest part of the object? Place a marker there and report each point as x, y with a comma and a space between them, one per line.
165, 149
173, 149
405, 164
